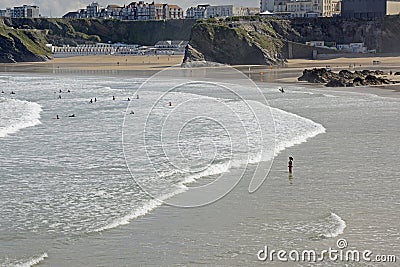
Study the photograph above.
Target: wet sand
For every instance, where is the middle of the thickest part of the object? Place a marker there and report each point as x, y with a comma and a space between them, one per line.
148, 65
97, 63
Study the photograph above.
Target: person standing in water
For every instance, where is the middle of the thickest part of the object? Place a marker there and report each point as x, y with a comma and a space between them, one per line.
290, 165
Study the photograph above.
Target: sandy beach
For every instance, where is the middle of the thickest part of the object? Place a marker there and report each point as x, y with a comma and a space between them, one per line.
148, 65
98, 63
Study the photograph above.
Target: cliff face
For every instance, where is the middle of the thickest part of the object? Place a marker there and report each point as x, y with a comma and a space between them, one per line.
230, 41
22, 45
23, 40
269, 41
234, 43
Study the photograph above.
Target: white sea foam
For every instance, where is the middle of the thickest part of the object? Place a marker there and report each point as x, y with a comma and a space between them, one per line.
16, 115
292, 129
338, 226
329, 226
35, 260
139, 212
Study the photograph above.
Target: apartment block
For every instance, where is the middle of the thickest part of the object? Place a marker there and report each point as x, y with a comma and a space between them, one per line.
25, 11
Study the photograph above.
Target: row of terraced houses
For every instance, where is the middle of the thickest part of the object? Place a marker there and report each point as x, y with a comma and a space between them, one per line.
134, 11
284, 8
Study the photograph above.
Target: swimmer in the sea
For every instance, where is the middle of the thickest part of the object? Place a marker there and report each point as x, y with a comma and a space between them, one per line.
290, 165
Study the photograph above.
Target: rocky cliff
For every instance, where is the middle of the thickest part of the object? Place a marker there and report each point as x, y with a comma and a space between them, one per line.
24, 40
22, 45
234, 43
270, 41
251, 40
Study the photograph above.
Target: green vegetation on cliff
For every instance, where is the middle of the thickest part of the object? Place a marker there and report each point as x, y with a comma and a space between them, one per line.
22, 45
25, 39
234, 41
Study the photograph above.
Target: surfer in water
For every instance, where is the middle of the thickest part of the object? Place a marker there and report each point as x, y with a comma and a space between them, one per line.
113, 97
12, 93
290, 165
72, 116
281, 90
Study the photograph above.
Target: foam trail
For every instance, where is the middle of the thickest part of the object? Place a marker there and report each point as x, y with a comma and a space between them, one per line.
34, 261
16, 115
292, 129
139, 212
340, 226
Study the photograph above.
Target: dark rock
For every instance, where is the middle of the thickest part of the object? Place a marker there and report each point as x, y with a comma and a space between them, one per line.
344, 78
318, 76
373, 80
366, 72
347, 74
192, 54
358, 81
337, 83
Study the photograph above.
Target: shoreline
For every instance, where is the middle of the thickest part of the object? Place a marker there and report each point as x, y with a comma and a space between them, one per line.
149, 65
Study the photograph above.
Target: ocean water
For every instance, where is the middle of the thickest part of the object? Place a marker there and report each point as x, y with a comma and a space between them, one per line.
114, 183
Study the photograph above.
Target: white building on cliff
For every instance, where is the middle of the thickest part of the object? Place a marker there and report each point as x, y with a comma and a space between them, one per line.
208, 11
302, 8
25, 11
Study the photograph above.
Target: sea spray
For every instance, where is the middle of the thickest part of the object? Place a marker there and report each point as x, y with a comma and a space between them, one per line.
16, 115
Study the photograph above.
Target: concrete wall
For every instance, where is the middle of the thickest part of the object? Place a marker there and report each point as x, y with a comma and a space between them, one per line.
292, 50
363, 8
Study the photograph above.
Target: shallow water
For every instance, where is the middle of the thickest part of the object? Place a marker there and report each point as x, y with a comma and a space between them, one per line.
72, 191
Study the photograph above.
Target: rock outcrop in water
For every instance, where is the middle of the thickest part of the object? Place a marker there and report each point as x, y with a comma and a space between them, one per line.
344, 78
